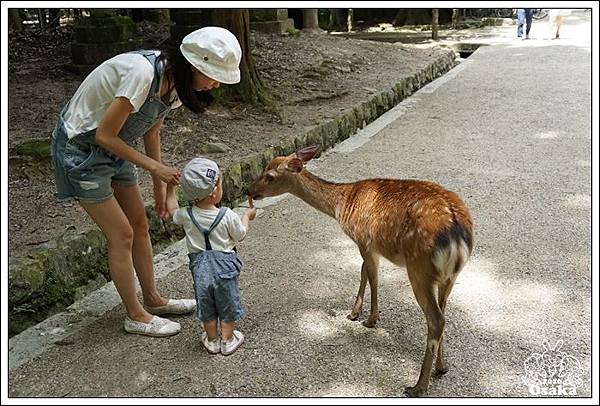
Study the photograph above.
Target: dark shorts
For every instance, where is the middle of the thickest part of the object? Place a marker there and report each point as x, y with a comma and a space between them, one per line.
216, 284
85, 171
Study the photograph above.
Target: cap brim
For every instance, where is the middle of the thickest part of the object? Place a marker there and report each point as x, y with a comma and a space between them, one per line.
230, 77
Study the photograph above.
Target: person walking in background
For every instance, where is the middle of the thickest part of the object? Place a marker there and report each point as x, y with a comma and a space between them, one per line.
556, 17
524, 16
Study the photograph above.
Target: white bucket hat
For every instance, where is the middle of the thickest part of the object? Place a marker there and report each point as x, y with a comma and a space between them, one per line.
215, 52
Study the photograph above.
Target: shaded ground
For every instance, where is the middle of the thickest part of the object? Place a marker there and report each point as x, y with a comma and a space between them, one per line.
312, 77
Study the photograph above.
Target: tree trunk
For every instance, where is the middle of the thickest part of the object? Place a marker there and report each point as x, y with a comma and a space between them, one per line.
310, 20
350, 19
434, 23
338, 19
42, 17
14, 20
54, 17
412, 16
251, 87
455, 17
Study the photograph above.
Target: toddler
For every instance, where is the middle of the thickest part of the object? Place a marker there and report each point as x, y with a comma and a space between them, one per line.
211, 234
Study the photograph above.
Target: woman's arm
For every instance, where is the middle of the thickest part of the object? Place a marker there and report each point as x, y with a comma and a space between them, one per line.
107, 136
152, 147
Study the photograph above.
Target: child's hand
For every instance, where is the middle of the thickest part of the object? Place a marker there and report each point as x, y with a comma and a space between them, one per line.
172, 205
251, 213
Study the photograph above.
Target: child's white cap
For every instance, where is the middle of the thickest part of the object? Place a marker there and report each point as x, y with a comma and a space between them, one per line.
199, 178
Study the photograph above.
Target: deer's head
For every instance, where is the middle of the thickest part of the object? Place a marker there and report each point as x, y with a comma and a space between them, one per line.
277, 178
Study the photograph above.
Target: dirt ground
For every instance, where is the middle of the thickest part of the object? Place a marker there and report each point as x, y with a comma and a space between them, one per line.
312, 77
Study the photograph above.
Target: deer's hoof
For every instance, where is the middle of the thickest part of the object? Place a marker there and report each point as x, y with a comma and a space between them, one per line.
369, 323
353, 316
441, 370
414, 391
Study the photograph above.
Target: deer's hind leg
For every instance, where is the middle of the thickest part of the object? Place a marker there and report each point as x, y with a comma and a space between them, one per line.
422, 280
358, 303
444, 289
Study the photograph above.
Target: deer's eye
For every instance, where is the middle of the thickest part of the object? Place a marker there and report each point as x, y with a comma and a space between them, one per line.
269, 177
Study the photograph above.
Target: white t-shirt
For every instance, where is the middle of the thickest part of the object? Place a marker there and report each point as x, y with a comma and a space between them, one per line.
223, 238
127, 75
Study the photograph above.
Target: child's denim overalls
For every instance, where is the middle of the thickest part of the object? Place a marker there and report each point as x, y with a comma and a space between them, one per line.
216, 278
84, 170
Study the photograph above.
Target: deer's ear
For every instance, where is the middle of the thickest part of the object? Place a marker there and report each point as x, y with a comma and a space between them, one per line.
294, 165
308, 153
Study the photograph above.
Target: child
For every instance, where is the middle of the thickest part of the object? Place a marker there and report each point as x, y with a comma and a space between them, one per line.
211, 234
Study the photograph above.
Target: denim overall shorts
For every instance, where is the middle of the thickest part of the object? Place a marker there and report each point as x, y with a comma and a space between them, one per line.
216, 279
84, 171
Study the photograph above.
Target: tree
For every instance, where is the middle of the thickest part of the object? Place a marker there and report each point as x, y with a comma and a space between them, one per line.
435, 12
455, 17
310, 20
338, 19
14, 20
411, 16
54, 17
251, 87
350, 19
41, 12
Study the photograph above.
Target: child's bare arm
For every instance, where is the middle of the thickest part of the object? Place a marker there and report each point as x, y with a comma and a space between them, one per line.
172, 203
249, 214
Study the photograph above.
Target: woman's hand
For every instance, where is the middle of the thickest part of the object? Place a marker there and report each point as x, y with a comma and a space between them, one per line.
160, 198
167, 174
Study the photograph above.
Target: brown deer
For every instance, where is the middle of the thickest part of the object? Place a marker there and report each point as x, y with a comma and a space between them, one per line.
416, 224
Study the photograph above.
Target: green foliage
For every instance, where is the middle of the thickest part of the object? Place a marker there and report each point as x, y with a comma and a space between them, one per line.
293, 32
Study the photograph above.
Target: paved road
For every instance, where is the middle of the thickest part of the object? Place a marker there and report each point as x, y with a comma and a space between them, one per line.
509, 130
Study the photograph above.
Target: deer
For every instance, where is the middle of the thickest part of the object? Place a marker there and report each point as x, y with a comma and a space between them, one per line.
414, 224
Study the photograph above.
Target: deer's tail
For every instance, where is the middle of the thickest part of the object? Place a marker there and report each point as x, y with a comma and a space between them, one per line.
452, 248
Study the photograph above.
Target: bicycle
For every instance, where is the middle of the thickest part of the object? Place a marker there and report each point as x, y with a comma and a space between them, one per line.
503, 12
539, 14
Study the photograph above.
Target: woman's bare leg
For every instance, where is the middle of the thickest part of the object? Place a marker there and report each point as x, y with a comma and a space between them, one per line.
130, 200
114, 224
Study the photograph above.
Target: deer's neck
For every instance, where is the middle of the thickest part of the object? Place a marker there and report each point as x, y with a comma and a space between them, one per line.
324, 196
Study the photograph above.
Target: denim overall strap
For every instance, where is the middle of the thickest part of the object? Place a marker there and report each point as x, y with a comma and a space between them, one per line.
205, 232
158, 69
153, 109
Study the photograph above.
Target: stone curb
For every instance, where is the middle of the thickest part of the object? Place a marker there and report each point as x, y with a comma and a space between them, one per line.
52, 276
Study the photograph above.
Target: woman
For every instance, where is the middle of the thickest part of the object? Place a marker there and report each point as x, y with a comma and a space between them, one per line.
122, 100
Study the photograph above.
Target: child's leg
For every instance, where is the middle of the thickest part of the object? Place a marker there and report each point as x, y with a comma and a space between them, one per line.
211, 329
227, 330
231, 339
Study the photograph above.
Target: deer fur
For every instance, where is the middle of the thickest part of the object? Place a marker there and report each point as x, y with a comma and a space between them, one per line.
415, 224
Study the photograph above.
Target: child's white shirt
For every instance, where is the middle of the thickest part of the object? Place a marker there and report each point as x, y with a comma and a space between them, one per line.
127, 75
223, 238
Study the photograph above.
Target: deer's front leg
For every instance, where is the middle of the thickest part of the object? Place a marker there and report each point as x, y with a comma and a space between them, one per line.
371, 263
357, 308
